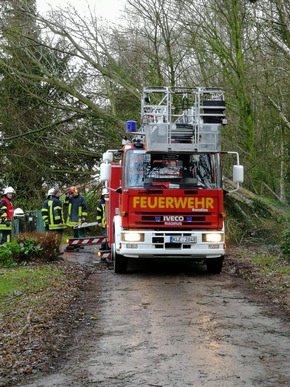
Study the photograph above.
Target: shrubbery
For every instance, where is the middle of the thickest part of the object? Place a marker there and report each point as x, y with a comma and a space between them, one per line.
29, 247
285, 244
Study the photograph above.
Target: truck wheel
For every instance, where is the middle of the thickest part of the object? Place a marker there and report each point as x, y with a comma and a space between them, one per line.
214, 265
120, 264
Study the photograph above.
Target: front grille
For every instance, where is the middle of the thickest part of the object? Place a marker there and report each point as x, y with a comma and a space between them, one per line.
157, 240
172, 245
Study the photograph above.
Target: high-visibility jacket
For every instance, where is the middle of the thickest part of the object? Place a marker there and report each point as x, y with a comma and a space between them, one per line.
52, 214
6, 214
101, 213
77, 210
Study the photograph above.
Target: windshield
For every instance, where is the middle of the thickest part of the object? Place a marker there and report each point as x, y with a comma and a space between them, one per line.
172, 170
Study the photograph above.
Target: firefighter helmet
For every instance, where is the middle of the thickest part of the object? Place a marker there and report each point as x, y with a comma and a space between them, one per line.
18, 212
8, 190
73, 189
50, 192
105, 191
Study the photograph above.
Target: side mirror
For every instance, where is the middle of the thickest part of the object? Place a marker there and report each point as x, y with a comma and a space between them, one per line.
108, 157
238, 173
105, 172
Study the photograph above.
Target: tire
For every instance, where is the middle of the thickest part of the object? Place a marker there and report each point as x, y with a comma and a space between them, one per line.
214, 265
120, 262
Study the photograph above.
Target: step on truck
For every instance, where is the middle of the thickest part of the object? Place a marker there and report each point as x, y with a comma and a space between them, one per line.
165, 182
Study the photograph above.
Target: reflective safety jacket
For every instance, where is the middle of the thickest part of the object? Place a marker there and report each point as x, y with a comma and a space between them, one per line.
6, 214
77, 210
101, 213
52, 214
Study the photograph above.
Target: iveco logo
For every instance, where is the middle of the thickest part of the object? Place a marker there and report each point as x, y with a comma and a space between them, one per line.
173, 218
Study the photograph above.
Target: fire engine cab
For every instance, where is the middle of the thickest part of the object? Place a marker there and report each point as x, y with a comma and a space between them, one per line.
165, 183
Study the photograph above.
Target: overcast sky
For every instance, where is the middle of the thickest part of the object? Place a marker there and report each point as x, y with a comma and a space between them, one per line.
108, 9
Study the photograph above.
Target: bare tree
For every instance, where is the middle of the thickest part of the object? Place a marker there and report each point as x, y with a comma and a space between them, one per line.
60, 119
89, 77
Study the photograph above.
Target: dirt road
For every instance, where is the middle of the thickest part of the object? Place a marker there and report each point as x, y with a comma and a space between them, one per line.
173, 326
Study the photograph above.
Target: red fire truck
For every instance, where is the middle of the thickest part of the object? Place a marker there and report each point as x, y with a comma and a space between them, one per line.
165, 183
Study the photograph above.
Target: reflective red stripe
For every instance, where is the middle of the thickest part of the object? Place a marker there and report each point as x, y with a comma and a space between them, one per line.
86, 241
106, 255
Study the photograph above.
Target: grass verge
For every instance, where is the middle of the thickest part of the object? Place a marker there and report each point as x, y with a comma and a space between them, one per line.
36, 315
265, 269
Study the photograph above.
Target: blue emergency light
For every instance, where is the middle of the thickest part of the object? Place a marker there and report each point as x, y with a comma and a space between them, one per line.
131, 127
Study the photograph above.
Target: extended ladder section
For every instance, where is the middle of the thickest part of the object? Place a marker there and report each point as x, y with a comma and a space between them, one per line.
182, 119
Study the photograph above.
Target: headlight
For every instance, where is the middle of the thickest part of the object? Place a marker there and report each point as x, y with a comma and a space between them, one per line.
132, 237
212, 237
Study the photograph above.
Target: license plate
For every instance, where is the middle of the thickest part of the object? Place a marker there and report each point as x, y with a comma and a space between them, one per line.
213, 246
183, 239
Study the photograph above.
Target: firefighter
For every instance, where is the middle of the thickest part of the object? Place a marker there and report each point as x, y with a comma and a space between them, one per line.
76, 212
52, 212
101, 210
44, 209
6, 215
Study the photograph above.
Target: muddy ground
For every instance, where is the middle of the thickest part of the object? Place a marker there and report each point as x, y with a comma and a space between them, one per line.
170, 325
